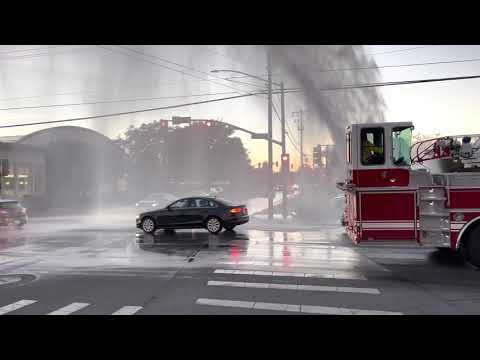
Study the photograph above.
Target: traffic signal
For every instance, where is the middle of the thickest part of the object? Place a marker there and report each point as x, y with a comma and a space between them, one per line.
5, 167
285, 163
317, 162
163, 123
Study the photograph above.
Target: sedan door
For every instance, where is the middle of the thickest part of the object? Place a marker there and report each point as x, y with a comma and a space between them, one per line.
202, 210
191, 214
175, 215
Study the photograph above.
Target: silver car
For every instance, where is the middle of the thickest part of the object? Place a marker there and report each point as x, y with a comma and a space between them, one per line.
157, 200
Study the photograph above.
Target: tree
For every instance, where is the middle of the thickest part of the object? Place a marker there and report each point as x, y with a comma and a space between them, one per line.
198, 153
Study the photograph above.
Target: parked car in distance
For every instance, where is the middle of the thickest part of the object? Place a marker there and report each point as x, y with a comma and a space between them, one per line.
195, 193
194, 212
157, 200
12, 213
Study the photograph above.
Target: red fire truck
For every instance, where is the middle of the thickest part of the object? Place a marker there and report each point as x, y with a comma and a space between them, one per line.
427, 194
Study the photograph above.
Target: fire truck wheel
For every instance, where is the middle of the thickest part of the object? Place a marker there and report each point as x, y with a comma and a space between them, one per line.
472, 247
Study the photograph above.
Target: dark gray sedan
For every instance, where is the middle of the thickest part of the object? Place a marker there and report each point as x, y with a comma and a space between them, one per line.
194, 212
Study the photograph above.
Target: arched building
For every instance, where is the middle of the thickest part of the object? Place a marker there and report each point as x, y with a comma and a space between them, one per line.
61, 167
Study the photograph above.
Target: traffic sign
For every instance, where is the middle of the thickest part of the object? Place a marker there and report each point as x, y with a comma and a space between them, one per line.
259, 136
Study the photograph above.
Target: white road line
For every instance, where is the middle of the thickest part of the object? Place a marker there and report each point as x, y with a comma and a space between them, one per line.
127, 310
322, 275
308, 309
278, 263
66, 310
397, 256
344, 289
6, 259
16, 305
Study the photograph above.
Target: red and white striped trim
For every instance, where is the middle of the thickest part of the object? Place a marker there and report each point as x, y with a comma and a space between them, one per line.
457, 225
388, 225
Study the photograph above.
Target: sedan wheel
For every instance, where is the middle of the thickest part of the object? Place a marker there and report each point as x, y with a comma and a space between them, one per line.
214, 225
148, 225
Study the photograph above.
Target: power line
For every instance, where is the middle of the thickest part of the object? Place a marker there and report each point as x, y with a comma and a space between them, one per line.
21, 57
401, 50
405, 82
164, 84
401, 65
166, 67
180, 65
176, 70
275, 110
391, 83
129, 112
244, 76
30, 49
38, 96
93, 92
116, 101
292, 90
289, 131
295, 146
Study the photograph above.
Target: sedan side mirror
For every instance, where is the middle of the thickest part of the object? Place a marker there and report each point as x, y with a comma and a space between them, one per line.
169, 208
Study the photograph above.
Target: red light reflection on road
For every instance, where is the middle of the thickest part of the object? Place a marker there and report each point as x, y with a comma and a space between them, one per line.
234, 253
286, 256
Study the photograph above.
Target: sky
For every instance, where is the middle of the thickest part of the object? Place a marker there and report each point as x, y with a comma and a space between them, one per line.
76, 74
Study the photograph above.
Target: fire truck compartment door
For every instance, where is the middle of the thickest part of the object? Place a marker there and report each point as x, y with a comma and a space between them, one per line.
388, 215
382, 177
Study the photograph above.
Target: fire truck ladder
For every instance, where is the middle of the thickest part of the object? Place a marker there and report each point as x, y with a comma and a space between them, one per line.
434, 216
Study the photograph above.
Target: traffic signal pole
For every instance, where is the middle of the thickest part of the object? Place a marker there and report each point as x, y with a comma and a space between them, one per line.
284, 150
270, 135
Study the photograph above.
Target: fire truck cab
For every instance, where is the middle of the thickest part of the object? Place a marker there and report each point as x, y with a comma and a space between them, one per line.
429, 199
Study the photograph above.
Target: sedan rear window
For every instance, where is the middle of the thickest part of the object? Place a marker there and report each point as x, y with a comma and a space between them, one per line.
205, 203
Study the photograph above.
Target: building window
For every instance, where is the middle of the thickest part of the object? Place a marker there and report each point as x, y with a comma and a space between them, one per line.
18, 183
373, 146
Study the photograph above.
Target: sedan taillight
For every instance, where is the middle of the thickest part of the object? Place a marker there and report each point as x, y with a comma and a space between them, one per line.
236, 210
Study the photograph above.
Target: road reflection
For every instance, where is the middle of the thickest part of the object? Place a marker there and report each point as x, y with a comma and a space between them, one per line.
11, 237
180, 241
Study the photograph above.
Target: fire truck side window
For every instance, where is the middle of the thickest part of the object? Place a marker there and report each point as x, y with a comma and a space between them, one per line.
373, 146
401, 142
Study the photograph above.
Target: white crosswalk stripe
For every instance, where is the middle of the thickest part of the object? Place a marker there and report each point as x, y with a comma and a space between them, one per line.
318, 274
66, 310
298, 285
346, 289
299, 308
127, 310
69, 309
15, 306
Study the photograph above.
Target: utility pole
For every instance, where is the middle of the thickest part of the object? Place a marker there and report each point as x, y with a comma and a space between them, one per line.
284, 151
270, 135
300, 130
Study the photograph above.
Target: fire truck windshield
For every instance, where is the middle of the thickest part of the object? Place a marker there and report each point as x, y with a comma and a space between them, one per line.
401, 143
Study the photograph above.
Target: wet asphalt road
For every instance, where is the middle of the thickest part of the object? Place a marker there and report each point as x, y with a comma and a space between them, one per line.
100, 264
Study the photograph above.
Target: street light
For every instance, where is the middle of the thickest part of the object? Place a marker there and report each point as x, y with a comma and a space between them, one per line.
269, 83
